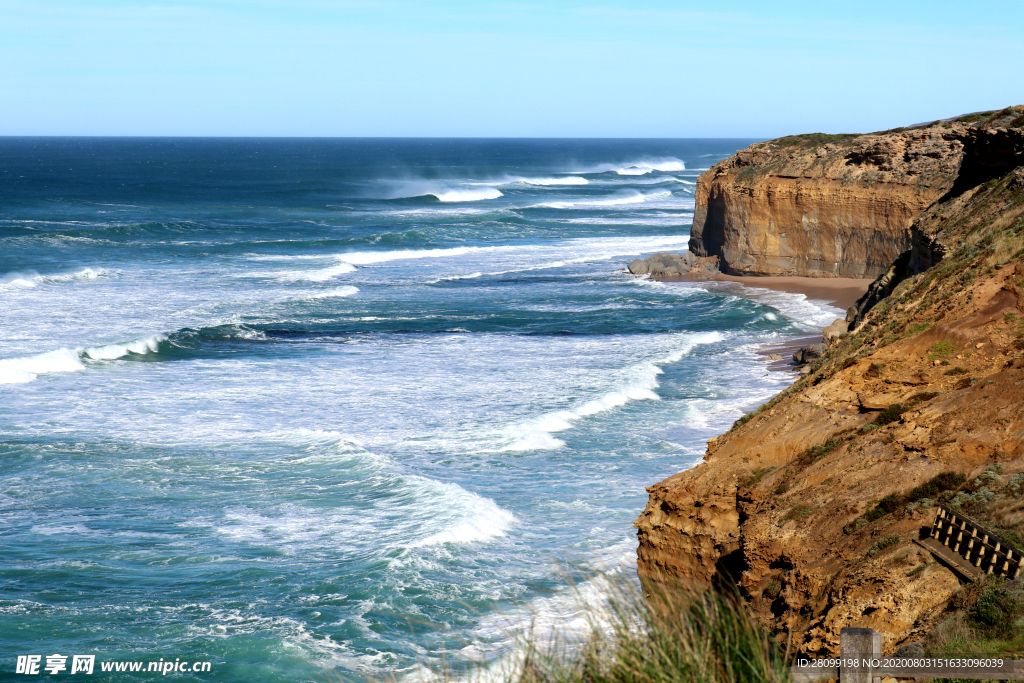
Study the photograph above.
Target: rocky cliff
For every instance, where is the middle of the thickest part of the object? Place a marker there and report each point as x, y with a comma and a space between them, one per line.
811, 504
828, 205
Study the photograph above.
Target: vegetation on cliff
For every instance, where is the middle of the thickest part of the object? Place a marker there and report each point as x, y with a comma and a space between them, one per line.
812, 504
835, 205
669, 636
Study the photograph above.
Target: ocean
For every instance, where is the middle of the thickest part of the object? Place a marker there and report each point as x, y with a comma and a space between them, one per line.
346, 409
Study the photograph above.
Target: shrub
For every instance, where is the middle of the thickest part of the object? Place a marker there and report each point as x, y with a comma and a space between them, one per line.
820, 451
929, 490
974, 118
995, 611
883, 543
873, 370
798, 513
890, 414
756, 476
855, 526
942, 348
936, 485
673, 636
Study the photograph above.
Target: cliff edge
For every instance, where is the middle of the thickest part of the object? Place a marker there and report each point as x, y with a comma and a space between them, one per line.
812, 503
829, 205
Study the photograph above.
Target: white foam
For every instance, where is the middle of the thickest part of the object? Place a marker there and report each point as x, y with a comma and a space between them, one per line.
566, 617
466, 195
582, 249
435, 513
635, 198
643, 380
658, 180
638, 167
115, 351
61, 529
318, 275
29, 279
26, 369
563, 180
337, 292
367, 257
809, 314
445, 192
478, 519
538, 440
470, 276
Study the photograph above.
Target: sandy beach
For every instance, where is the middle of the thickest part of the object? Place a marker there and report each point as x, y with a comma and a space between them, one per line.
840, 292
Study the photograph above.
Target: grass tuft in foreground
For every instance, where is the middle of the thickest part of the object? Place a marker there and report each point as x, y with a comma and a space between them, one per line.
666, 637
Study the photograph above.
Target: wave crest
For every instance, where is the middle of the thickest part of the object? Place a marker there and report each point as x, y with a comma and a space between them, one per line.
565, 180
635, 198
29, 279
638, 167
466, 195
26, 369
115, 351
537, 434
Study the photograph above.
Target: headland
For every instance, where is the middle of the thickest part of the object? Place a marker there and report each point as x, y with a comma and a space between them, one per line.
814, 505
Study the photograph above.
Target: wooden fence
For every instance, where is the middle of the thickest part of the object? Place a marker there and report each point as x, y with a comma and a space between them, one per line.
983, 550
860, 661
970, 550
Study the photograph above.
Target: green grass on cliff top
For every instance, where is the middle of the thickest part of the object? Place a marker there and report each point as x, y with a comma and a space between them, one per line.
677, 636
815, 139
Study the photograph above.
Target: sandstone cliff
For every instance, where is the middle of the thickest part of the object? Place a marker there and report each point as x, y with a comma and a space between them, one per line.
828, 205
931, 381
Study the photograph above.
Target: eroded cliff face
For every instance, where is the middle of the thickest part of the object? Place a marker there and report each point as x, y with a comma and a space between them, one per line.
931, 381
827, 206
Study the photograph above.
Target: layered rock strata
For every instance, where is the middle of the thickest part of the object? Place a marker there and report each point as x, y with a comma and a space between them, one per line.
802, 503
833, 205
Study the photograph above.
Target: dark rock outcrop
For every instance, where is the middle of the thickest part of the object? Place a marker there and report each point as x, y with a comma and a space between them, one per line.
809, 353
664, 264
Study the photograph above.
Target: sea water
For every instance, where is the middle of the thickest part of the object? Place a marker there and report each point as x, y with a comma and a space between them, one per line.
345, 409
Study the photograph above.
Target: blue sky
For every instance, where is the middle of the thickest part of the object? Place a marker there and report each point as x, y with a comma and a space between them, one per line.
454, 68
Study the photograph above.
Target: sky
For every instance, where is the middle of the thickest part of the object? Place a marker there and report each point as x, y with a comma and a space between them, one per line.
454, 68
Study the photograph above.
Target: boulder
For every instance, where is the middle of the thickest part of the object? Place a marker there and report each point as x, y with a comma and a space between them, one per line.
665, 264
639, 267
838, 328
809, 353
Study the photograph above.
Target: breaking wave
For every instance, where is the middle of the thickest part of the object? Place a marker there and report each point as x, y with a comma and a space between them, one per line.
638, 167
317, 275
447, 195
32, 279
564, 180
336, 293
537, 434
466, 195
636, 198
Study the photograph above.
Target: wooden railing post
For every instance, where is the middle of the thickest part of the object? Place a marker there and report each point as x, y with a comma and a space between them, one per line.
858, 648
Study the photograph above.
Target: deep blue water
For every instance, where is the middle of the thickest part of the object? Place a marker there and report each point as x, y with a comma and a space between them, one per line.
335, 409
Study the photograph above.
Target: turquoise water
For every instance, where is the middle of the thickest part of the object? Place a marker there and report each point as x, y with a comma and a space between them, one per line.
336, 409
